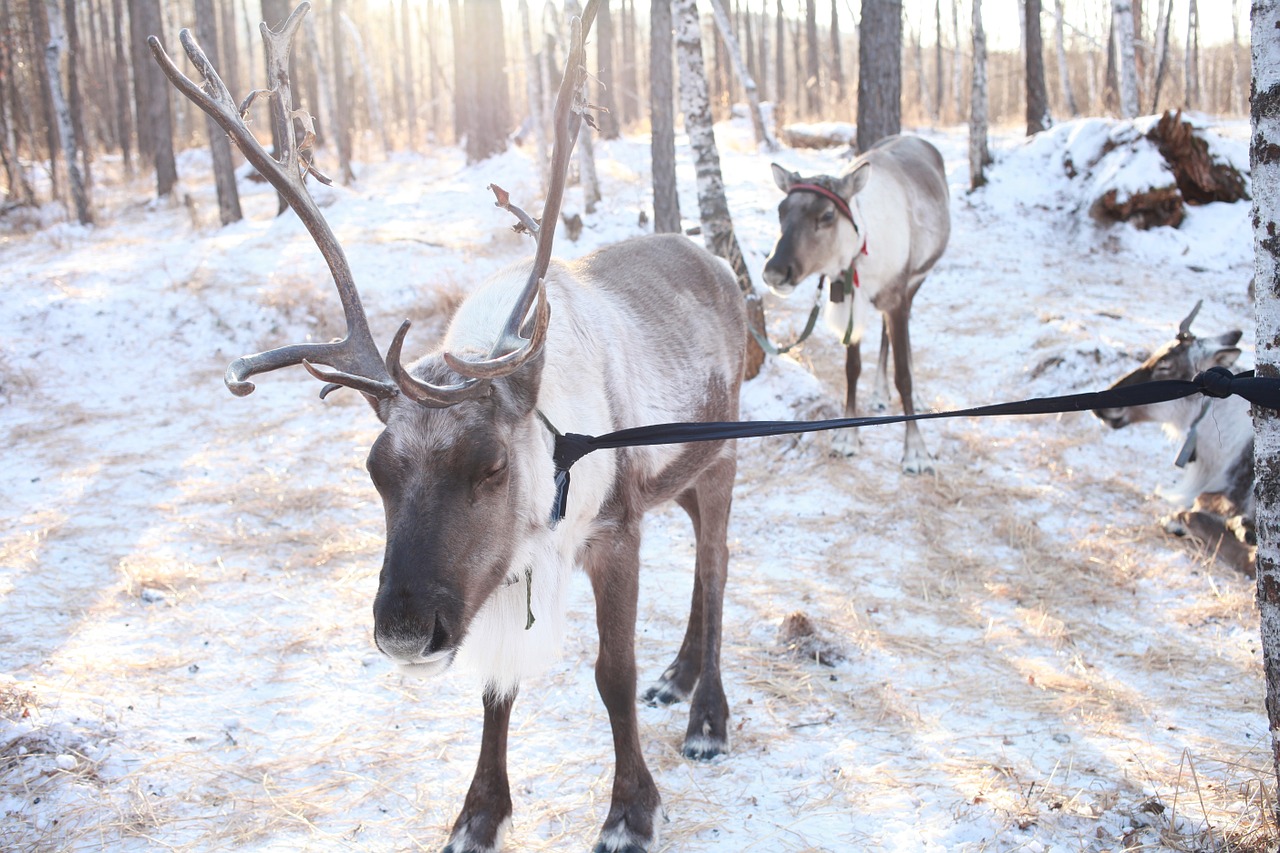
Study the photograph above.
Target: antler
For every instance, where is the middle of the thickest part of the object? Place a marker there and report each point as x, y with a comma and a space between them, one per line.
354, 359
1184, 328
515, 345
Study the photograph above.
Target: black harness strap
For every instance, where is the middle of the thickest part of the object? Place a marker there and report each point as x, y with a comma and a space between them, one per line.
1215, 382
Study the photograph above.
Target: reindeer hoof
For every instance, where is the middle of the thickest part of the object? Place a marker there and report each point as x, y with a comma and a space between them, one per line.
621, 838
844, 443
1175, 526
917, 464
704, 747
664, 694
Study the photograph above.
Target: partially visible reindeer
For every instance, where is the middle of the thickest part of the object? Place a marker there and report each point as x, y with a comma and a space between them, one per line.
875, 231
1215, 495
476, 568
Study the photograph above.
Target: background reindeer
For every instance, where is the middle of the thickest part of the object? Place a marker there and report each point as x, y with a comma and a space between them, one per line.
1215, 493
475, 568
875, 231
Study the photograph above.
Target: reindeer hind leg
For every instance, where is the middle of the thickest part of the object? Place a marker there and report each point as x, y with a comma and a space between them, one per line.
677, 680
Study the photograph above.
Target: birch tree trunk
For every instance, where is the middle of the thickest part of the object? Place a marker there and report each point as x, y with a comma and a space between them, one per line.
879, 72
606, 79
53, 53
124, 115
1060, 47
763, 62
155, 123
937, 61
372, 104
39, 32
713, 208
1191, 71
74, 99
342, 91
813, 101
837, 61
1265, 166
957, 79
978, 154
533, 92
763, 137
224, 175
408, 47
780, 67
326, 112
1126, 62
1163, 18
1038, 117
666, 199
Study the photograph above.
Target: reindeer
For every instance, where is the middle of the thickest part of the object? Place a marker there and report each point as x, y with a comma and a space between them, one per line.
875, 231
1215, 495
475, 568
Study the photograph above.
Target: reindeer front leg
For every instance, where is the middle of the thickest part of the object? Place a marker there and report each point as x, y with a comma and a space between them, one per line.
613, 564
844, 442
486, 813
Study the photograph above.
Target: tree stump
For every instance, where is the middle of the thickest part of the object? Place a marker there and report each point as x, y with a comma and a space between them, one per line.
1201, 179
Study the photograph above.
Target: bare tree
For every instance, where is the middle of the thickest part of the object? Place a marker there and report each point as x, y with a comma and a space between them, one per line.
1265, 167
713, 208
224, 175
1038, 118
120, 78
813, 94
666, 200
780, 69
1191, 69
879, 72
54, 52
1126, 63
151, 95
1164, 15
978, 152
410, 80
606, 79
937, 60
837, 64
1060, 48
491, 117
342, 89
763, 136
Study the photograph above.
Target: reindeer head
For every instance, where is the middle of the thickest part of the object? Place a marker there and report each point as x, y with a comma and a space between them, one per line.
460, 459
1182, 358
822, 229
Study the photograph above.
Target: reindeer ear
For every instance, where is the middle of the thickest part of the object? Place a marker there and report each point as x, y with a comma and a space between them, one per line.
783, 178
1225, 357
854, 182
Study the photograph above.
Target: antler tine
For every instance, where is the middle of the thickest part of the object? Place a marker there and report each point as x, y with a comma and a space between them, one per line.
1184, 328
355, 358
513, 349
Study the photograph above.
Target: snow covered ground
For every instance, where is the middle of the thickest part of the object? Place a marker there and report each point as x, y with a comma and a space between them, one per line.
1019, 658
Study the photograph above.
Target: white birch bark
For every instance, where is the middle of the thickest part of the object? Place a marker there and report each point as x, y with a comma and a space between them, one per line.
763, 137
957, 79
978, 155
1126, 61
1191, 69
713, 208
1265, 166
371, 102
1064, 72
533, 91
53, 53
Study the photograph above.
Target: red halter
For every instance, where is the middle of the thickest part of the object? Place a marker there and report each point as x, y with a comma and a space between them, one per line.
843, 207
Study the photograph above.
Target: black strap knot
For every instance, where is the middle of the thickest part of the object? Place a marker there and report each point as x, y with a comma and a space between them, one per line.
1216, 382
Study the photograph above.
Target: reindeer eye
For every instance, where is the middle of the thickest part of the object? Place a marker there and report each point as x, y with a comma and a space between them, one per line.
493, 473
827, 217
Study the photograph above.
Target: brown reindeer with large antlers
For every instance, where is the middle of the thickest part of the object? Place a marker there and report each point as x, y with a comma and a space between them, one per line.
475, 570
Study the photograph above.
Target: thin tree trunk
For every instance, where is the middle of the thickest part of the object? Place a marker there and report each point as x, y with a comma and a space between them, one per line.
763, 62
1126, 62
228, 42
342, 91
1191, 71
837, 63
1237, 89
630, 79
763, 136
533, 91
713, 208
780, 67
978, 153
666, 199
120, 78
74, 99
39, 41
152, 94
879, 72
1265, 168
937, 61
53, 53
224, 175
372, 103
1038, 117
407, 49
608, 83
1060, 47
813, 94
1163, 19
